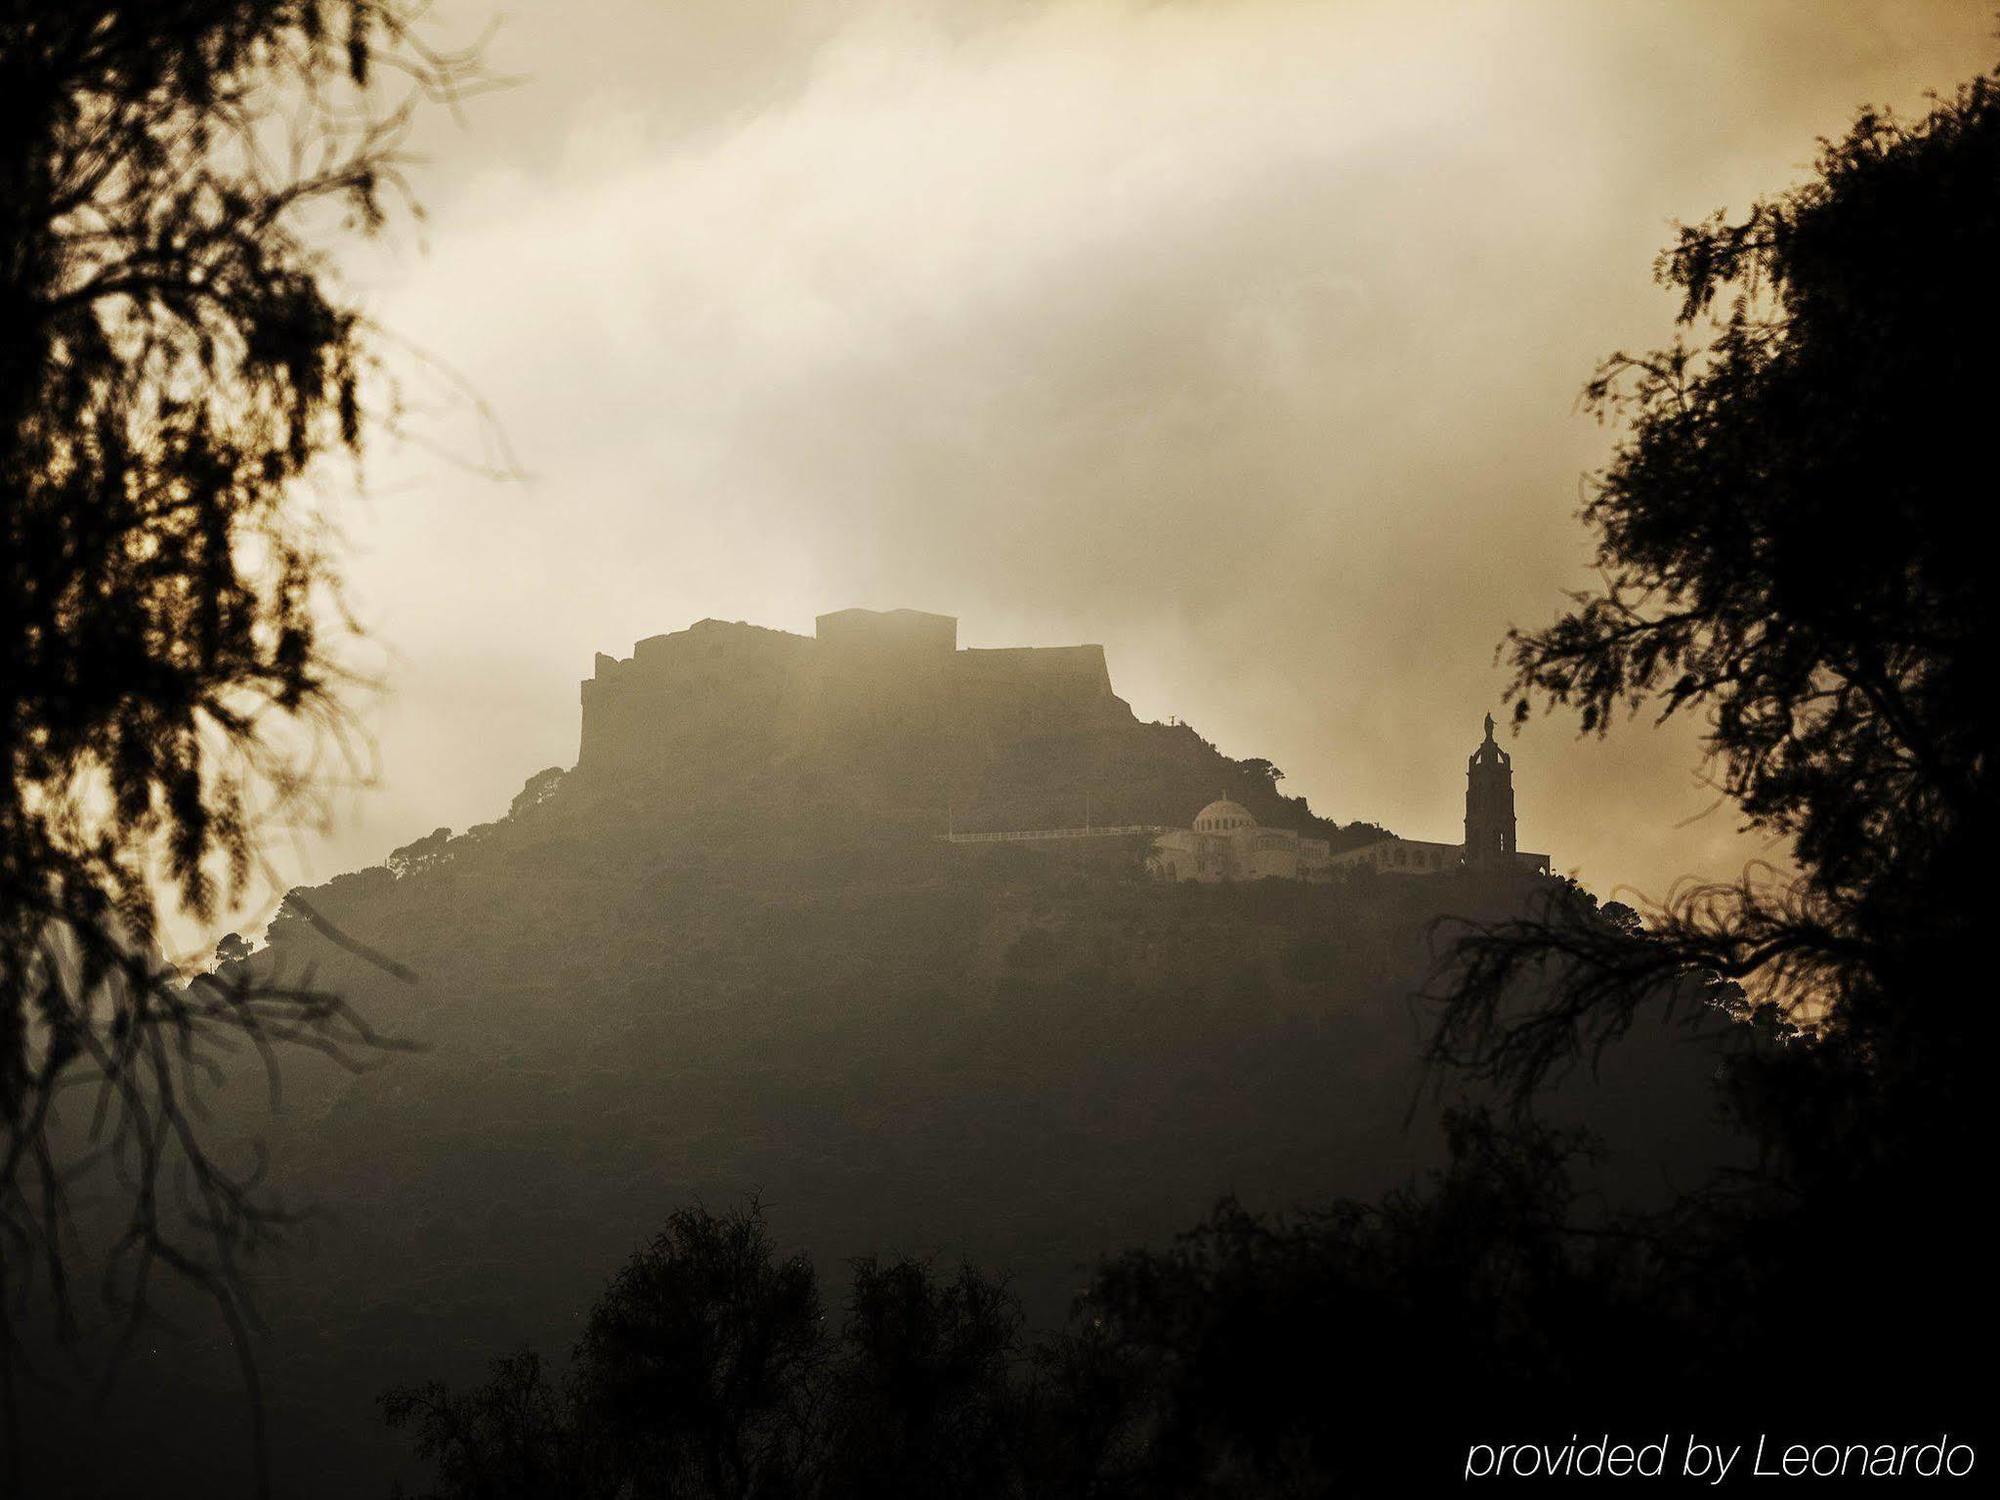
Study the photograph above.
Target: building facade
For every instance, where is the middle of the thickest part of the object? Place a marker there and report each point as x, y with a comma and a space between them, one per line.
1490, 842
1226, 843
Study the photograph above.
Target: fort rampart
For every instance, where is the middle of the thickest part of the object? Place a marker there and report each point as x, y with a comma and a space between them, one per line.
862, 677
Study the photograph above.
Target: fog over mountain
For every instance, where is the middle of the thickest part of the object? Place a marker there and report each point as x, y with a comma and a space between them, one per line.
1244, 339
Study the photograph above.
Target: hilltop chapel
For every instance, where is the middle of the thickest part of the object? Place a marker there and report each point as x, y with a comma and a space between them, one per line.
1226, 843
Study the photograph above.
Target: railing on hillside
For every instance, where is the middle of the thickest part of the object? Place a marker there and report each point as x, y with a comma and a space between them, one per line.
1022, 836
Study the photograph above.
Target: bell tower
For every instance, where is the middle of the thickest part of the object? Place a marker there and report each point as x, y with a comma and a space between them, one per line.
1489, 804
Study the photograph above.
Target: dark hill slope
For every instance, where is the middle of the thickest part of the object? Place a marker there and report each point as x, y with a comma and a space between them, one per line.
626, 1002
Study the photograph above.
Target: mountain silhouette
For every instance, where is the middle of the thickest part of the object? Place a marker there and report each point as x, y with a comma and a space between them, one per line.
729, 955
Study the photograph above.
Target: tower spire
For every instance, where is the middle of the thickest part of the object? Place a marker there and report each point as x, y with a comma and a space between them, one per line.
1489, 804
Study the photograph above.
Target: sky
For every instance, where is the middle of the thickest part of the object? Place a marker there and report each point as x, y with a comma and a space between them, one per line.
1243, 338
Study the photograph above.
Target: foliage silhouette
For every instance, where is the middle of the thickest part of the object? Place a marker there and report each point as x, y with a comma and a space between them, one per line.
707, 1369
1787, 547
693, 1363
1256, 1357
923, 1401
511, 1439
175, 358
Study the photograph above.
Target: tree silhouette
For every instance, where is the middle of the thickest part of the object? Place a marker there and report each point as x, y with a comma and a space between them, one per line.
513, 1438
1787, 545
695, 1364
707, 1369
420, 854
536, 790
175, 355
1345, 1348
925, 1401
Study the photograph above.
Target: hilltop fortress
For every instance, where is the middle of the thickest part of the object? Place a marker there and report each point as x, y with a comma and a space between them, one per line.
864, 679
884, 710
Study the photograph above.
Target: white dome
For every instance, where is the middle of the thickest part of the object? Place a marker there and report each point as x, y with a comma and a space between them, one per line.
1222, 816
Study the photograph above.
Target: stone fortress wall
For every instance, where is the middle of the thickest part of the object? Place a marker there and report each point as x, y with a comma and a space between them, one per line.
863, 677
677, 693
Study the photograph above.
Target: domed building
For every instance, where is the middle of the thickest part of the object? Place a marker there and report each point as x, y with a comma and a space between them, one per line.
1222, 815
1226, 843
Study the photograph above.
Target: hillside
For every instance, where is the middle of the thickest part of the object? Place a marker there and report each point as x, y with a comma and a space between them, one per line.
733, 976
